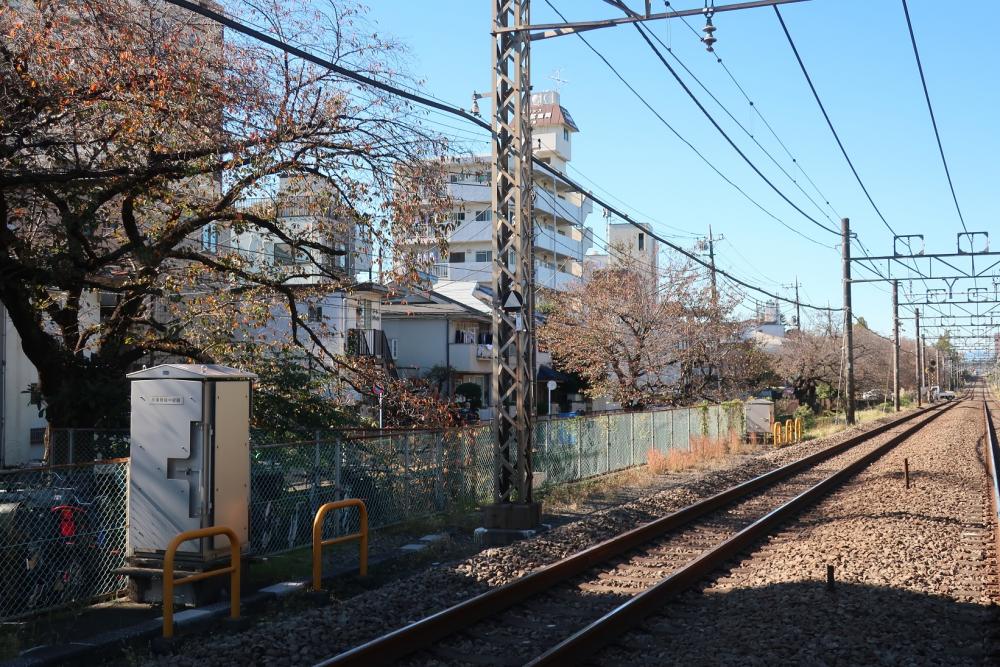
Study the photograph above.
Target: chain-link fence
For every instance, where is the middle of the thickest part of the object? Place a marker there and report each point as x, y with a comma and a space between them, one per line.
64, 527
80, 445
579, 447
63, 534
400, 476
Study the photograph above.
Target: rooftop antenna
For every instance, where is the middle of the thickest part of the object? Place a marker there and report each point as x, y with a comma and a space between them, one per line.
556, 76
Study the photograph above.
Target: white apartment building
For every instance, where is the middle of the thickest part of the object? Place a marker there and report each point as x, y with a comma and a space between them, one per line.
348, 318
561, 237
624, 237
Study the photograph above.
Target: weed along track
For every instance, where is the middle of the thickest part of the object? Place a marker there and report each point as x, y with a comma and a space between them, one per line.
561, 612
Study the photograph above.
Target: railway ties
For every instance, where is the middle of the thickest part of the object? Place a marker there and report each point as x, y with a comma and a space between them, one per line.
564, 612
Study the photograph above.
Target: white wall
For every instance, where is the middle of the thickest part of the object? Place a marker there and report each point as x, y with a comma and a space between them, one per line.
18, 416
420, 343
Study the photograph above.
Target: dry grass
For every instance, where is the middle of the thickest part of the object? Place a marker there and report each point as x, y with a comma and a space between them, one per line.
826, 427
704, 452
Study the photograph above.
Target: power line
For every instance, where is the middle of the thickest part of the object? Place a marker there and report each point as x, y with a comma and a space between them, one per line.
760, 114
829, 123
643, 32
687, 143
743, 127
930, 109
457, 111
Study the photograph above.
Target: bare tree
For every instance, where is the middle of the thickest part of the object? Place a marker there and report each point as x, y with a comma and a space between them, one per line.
642, 341
810, 359
130, 132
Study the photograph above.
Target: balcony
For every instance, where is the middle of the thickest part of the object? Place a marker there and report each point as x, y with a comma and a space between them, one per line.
371, 343
546, 277
470, 357
547, 238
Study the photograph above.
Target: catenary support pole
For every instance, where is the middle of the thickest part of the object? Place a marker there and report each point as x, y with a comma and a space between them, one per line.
924, 380
845, 229
895, 345
513, 265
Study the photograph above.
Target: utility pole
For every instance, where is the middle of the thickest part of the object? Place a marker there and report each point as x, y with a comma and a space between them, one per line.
798, 306
916, 345
937, 368
845, 230
895, 345
923, 368
711, 262
513, 242
513, 280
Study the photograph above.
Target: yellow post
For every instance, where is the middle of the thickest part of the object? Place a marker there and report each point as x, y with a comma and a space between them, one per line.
168, 573
318, 541
776, 433
789, 431
798, 429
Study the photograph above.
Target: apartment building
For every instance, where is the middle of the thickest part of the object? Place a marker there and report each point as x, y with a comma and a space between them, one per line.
348, 316
449, 326
636, 242
560, 213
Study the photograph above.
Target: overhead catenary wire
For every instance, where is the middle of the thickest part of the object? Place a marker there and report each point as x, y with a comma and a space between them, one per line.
930, 110
756, 109
684, 140
457, 111
645, 36
829, 122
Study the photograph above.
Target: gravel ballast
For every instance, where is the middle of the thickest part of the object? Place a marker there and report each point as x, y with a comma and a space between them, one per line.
915, 573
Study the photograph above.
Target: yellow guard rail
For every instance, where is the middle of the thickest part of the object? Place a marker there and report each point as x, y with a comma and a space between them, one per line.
168, 573
319, 542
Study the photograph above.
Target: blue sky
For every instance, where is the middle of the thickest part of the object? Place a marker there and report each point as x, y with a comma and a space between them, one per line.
859, 55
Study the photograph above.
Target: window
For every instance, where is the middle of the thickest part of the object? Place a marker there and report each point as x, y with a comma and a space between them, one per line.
484, 255
642, 241
284, 256
210, 238
109, 303
457, 258
315, 313
484, 216
453, 178
565, 134
394, 348
366, 313
457, 216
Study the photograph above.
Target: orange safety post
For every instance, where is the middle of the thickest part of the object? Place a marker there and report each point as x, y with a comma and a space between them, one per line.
168, 573
319, 542
776, 433
789, 431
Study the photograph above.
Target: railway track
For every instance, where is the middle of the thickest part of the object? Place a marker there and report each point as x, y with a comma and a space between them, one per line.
561, 613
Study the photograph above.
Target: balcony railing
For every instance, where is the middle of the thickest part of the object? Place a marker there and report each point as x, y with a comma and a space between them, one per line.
296, 206
371, 343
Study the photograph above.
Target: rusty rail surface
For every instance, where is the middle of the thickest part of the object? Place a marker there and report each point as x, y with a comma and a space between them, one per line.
992, 456
415, 636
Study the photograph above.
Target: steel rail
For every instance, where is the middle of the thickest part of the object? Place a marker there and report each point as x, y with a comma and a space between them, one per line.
581, 645
415, 636
992, 456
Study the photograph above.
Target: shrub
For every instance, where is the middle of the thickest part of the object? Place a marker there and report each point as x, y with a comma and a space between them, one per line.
808, 417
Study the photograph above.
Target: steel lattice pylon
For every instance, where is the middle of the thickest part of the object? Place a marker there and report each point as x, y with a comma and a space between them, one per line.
513, 252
